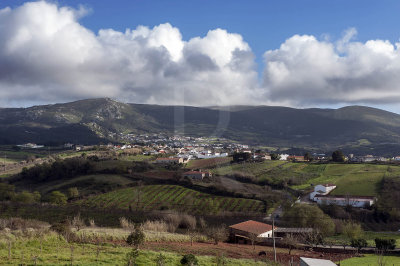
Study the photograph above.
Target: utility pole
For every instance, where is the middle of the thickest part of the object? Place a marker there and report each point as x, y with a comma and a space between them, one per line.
273, 235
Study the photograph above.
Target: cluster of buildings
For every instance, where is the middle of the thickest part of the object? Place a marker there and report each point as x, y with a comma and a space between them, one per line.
321, 195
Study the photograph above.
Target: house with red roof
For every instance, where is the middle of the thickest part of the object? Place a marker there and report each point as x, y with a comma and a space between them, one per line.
245, 231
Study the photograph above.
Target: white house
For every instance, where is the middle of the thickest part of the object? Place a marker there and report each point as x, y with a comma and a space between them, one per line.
283, 157
342, 200
323, 189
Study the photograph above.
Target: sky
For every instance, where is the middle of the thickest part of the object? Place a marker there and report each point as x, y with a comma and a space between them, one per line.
292, 53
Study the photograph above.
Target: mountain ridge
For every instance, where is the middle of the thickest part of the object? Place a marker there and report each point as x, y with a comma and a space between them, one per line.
98, 120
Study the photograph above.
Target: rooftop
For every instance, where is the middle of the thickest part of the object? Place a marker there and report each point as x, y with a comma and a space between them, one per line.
252, 227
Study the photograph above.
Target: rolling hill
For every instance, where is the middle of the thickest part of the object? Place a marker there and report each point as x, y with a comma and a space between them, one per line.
352, 128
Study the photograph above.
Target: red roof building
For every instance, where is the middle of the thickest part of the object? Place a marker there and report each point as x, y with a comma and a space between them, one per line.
242, 232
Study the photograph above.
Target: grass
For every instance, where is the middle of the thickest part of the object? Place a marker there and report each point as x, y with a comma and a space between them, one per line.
352, 179
155, 197
56, 251
370, 259
86, 183
370, 237
121, 234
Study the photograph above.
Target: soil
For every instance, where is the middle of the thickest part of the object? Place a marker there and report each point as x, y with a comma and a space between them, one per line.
242, 251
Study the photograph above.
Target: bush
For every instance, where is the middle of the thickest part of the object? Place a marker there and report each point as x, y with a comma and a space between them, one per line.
359, 243
125, 223
157, 226
56, 197
385, 244
137, 237
189, 259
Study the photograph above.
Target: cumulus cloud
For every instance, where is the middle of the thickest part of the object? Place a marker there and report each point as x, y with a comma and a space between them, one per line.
308, 71
47, 56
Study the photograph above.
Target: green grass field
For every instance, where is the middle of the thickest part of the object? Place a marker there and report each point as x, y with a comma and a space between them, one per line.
353, 179
371, 260
155, 197
56, 251
370, 237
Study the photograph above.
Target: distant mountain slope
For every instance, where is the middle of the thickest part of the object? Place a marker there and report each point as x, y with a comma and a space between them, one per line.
95, 120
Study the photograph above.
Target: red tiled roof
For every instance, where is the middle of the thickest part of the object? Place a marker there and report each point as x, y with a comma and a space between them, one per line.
252, 227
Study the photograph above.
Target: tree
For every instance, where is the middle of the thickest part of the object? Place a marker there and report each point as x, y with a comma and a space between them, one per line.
290, 242
359, 243
25, 197
136, 238
73, 192
218, 233
253, 239
7, 191
275, 156
306, 216
56, 197
337, 156
353, 230
308, 157
37, 196
241, 157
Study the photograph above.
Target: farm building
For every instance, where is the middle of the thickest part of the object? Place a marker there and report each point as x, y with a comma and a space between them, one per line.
197, 174
169, 160
245, 231
344, 200
324, 189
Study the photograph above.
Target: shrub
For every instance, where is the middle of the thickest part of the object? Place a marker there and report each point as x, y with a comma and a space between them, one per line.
137, 237
189, 259
385, 244
73, 192
56, 197
125, 223
157, 226
359, 243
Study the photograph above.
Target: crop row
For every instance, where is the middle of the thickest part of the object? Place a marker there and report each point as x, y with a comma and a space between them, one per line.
155, 197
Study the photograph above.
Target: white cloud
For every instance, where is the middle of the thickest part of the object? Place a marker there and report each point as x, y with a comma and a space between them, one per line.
306, 71
47, 56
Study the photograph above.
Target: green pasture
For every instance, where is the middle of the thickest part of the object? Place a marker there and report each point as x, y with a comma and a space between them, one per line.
53, 250
371, 260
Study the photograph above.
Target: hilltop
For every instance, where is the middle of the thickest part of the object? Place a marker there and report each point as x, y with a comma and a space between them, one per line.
354, 128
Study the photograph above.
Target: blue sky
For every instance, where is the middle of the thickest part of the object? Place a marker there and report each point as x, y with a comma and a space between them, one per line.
264, 26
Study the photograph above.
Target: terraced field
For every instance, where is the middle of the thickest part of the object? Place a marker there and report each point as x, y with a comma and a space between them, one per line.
155, 197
